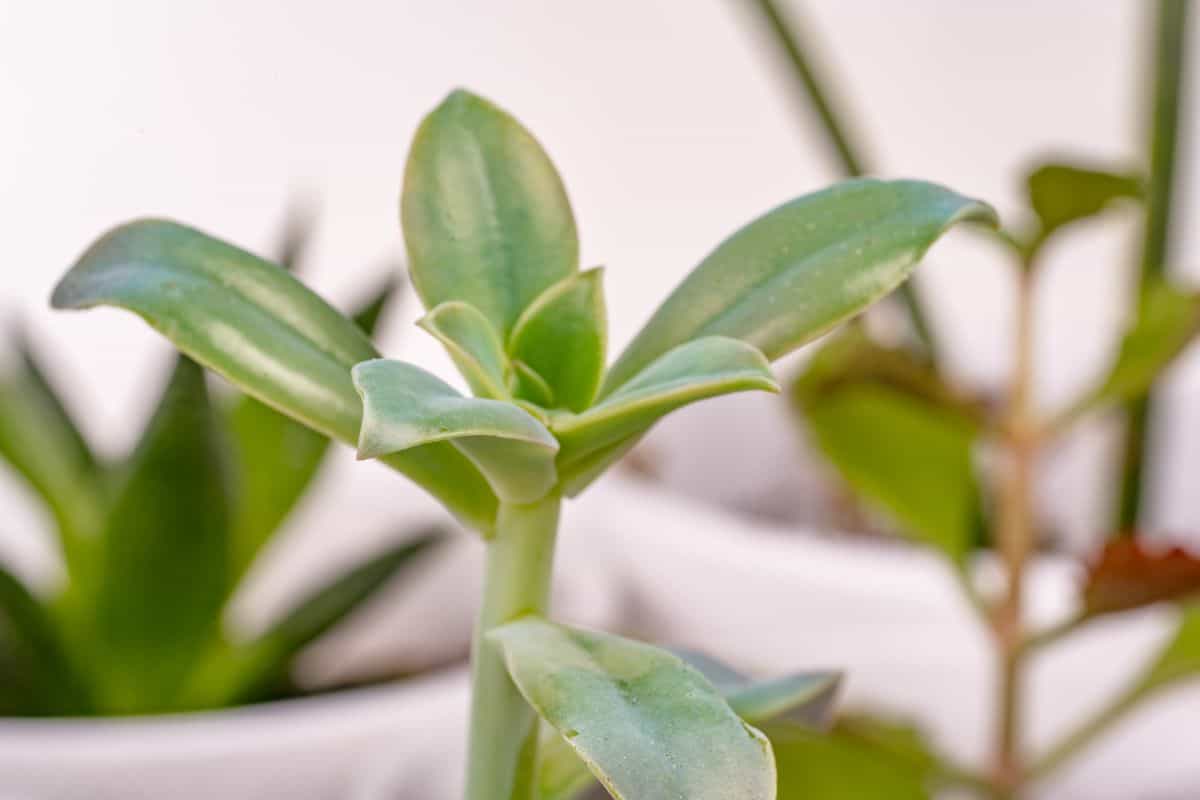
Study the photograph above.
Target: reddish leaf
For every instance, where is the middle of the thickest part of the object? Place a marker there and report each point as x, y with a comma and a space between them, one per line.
1128, 574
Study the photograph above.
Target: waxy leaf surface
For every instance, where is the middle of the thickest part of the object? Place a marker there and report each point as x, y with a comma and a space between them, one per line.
794, 273
404, 406
263, 330
647, 725
473, 345
486, 219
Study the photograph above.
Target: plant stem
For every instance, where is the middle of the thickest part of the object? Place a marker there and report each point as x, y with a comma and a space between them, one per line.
1091, 730
502, 757
841, 142
1169, 63
1016, 541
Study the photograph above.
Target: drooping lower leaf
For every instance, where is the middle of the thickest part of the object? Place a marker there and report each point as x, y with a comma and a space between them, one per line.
912, 459
473, 344
694, 371
486, 219
404, 406
1132, 572
562, 336
261, 329
799, 270
648, 726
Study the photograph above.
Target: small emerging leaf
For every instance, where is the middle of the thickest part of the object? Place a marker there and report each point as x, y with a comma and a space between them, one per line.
404, 406
648, 726
799, 270
694, 371
562, 336
1130, 573
486, 219
474, 346
1061, 194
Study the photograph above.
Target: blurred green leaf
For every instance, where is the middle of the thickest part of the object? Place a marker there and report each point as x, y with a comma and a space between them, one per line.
404, 406
1179, 659
562, 336
861, 758
486, 219
164, 574
473, 344
276, 457
1063, 193
647, 725
264, 331
799, 270
41, 442
694, 371
912, 459
36, 674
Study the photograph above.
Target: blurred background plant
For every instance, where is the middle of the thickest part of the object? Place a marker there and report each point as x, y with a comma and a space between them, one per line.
954, 467
155, 545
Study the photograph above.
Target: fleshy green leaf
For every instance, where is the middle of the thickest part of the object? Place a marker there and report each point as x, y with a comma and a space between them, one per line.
799, 270
562, 336
473, 344
909, 457
255, 671
264, 331
1062, 193
646, 724
40, 441
532, 387
404, 406
164, 574
36, 674
486, 219
694, 371
276, 457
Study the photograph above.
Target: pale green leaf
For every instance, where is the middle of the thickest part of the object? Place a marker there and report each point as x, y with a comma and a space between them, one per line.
474, 346
404, 406
531, 387
264, 331
486, 219
694, 371
562, 337
648, 726
799, 270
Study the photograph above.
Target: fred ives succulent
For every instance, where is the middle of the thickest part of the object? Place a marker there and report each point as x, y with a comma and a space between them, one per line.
494, 256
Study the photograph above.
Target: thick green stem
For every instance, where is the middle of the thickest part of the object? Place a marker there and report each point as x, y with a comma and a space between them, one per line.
502, 757
1169, 65
840, 141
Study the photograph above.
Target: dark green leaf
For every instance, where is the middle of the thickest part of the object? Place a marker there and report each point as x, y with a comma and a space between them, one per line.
264, 331
694, 371
165, 571
646, 724
1062, 193
404, 406
562, 336
485, 216
911, 458
473, 344
799, 270
367, 316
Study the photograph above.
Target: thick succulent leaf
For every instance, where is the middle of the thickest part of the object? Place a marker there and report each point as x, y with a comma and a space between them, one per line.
562, 336
36, 674
1166, 322
694, 371
860, 758
586, 470
264, 331
799, 270
1131, 572
485, 216
912, 459
164, 574
40, 441
473, 344
238, 674
404, 406
647, 725
531, 387
276, 458
1063, 193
